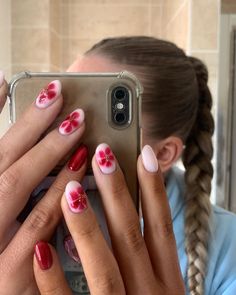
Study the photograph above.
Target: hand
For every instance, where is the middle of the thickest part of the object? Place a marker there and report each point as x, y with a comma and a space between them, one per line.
24, 163
137, 264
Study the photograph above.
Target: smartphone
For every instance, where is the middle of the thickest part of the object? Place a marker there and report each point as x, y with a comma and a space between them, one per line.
112, 106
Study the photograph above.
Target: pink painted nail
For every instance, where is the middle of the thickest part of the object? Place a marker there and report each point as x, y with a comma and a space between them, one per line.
105, 158
49, 94
70, 248
1, 78
76, 197
149, 159
72, 122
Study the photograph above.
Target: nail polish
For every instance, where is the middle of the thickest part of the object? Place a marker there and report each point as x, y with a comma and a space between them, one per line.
149, 159
70, 248
76, 197
78, 158
72, 122
1, 78
43, 255
49, 94
105, 158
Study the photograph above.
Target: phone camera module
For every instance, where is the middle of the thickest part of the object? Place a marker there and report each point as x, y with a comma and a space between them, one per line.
120, 118
120, 105
120, 93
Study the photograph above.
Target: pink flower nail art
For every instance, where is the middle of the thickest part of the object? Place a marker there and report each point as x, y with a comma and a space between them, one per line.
70, 248
105, 158
76, 197
49, 94
72, 122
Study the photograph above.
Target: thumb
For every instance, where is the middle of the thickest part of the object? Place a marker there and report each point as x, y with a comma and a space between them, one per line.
48, 272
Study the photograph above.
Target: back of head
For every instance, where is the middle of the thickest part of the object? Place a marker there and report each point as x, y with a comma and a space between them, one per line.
176, 101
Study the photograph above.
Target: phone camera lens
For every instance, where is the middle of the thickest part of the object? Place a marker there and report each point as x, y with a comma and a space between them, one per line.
120, 93
120, 118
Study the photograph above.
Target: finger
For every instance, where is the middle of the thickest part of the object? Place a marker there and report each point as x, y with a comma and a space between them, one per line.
23, 176
27, 130
101, 270
123, 223
3, 91
42, 221
158, 230
48, 273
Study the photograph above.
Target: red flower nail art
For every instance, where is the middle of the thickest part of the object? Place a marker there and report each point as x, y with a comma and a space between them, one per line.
105, 158
72, 122
49, 94
76, 197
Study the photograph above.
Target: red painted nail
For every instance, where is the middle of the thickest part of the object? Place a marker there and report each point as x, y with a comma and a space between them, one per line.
43, 255
78, 158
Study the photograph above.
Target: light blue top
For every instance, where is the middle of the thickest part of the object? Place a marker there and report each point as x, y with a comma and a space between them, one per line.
221, 275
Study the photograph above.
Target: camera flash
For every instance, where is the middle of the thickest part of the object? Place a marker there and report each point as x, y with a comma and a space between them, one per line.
119, 106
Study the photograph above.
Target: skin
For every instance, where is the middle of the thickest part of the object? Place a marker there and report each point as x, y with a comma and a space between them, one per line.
152, 266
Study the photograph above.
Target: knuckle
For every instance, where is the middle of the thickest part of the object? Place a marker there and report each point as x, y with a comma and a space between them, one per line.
52, 290
39, 219
118, 188
107, 283
165, 229
8, 183
89, 230
133, 238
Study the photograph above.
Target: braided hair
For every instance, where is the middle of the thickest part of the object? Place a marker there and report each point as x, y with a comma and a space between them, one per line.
176, 101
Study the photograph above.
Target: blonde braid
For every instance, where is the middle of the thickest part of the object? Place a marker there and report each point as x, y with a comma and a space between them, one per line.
199, 172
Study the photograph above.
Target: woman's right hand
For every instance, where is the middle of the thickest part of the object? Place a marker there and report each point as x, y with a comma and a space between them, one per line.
24, 163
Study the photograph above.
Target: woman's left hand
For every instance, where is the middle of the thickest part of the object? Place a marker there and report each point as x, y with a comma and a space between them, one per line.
137, 264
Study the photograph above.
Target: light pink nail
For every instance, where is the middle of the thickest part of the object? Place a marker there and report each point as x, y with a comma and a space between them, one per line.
1, 78
105, 158
76, 197
72, 122
49, 94
149, 159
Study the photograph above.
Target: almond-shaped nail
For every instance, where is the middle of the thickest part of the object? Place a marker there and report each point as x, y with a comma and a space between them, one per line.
43, 255
72, 122
49, 94
78, 158
105, 158
2, 77
76, 197
70, 248
149, 159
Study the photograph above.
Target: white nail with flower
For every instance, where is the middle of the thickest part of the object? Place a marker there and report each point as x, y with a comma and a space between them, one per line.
72, 122
105, 158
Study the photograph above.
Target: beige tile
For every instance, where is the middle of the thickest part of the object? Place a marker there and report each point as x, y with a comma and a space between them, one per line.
171, 8
98, 22
55, 50
177, 29
156, 21
55, 15
64, 21
30, 46
72, 48
110, 2
32, 67
30, 13
205, 18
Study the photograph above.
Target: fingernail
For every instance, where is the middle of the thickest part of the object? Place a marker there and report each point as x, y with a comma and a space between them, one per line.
1, 78
105, 158
43, 255
76, 197
149, 159
72, 122
78, 158
70, 248
49, 94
